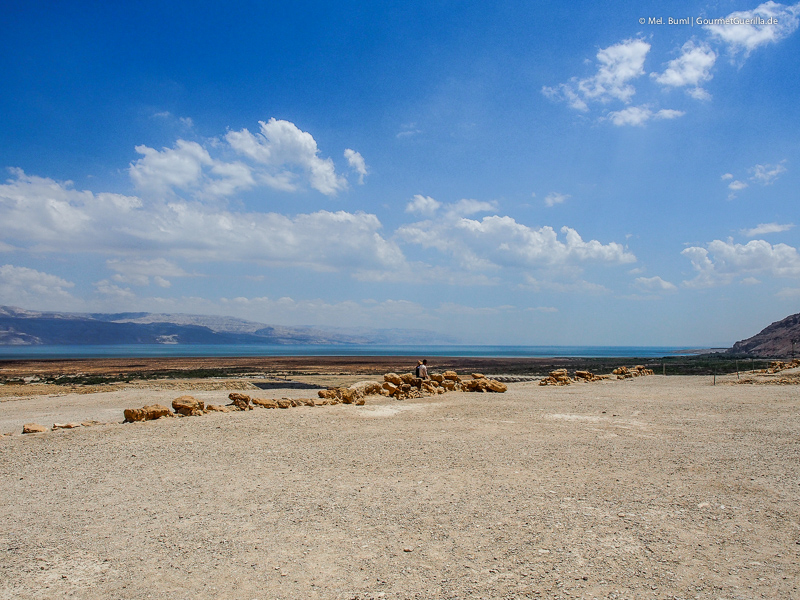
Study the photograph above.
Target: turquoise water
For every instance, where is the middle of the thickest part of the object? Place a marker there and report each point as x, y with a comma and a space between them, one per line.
203, 350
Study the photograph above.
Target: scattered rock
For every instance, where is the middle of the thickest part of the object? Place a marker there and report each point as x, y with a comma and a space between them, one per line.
147, 413
496, 386
557, 377
65, 425
264, 402
33, 428
393, 378
216, 408
239, 401
188, 406
777, 366
358, 391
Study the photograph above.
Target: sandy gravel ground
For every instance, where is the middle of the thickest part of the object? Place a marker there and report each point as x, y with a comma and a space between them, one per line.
659, 487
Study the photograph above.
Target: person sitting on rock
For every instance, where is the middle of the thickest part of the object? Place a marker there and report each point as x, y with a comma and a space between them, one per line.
422, 369
417, 368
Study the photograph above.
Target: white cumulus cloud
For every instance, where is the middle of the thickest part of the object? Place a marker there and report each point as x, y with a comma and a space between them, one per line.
691, 68
744, 31
423, 205
654, 284
139, 271
720, 262
283, 147
737, 185
766, 228
495, 242
468, 206
42, 214
618, 65
767, 174
357, 163
555, 198
639, 115
26, 287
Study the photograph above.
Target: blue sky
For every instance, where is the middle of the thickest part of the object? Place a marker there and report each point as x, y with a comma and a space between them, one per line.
499, 172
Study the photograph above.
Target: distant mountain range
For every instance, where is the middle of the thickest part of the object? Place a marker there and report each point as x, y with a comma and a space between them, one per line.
774, 341
20, 327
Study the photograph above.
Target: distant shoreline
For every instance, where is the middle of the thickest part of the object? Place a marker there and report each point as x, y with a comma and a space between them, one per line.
224, 351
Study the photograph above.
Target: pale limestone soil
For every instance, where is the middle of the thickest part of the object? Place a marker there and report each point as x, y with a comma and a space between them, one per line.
647, 488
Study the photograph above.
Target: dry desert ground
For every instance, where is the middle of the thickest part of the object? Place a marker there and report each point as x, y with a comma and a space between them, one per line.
656, 487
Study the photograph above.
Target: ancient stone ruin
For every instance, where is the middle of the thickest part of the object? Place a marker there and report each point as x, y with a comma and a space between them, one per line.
777, 366
395, 386
406, 385
561, 376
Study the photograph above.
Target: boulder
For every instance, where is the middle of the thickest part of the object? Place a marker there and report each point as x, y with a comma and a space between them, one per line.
451, 375
239, 401
284, 403
478, 376
264, 402
147, 413
496, 386
408, 377
33, 428
216, 408
390, 387
188, 406
393, 378
367, 388
437, 377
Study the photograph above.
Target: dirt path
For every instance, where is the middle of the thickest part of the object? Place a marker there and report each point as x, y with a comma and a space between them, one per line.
660, 487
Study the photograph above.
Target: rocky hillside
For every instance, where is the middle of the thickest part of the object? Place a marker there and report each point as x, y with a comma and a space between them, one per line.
20, 327
774, 341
